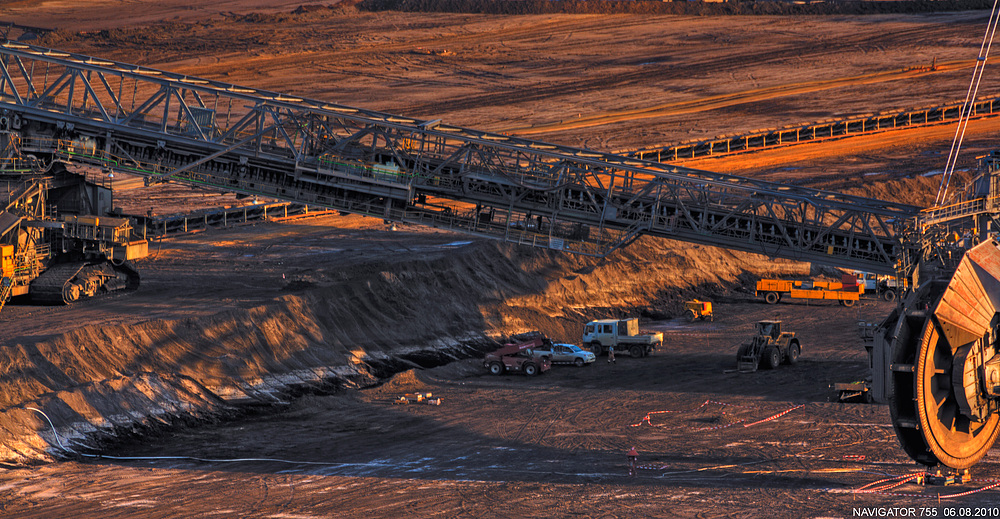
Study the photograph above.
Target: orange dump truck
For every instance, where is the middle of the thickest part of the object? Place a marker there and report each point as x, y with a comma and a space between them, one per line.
846, 292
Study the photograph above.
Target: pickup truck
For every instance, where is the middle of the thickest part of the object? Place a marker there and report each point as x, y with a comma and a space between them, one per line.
887, 287
566, 354
518, 357
622, 334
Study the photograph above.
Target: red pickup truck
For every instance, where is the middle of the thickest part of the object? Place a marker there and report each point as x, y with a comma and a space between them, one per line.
518, 357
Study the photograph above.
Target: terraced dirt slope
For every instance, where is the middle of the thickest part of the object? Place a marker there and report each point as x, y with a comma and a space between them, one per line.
264, 313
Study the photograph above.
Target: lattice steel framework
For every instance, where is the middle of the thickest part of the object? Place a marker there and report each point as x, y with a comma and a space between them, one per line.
168, 126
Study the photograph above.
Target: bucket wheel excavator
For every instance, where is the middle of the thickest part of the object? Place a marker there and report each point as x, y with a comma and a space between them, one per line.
940, 349
935, 358
944, 369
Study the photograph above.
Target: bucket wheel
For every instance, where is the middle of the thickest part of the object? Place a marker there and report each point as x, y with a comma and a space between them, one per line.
945, 365
932, 418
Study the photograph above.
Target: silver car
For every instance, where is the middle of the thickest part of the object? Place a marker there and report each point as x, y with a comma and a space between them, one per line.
566, 354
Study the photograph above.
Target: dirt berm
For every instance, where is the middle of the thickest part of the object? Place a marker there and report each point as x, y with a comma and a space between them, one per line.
346, 326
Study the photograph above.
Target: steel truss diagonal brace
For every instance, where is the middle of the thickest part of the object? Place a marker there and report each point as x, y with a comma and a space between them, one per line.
237, 138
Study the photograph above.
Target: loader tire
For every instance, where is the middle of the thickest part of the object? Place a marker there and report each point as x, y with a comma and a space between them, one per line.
793, 354
771, 358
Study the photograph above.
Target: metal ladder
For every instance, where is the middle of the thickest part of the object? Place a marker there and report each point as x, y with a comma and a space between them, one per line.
5, 286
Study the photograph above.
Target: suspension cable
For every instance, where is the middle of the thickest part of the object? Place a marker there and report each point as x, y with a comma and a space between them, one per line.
968, 105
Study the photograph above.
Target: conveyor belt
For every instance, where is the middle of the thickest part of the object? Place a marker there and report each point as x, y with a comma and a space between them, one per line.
168, 126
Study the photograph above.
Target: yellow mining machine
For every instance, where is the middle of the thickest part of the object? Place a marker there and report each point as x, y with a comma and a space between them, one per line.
770, 345
698, 309
54, 246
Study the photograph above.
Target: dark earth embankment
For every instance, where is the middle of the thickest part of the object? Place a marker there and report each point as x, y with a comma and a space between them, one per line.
342, 327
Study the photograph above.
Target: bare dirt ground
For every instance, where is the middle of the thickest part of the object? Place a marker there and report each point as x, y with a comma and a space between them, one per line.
553, 445
602, 81
225, 316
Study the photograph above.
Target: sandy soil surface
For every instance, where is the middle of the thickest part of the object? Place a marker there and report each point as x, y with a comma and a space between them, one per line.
297, 317
602, 81
553, 445
95, 15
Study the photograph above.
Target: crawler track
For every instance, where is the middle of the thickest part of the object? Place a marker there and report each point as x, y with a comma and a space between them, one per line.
67, 283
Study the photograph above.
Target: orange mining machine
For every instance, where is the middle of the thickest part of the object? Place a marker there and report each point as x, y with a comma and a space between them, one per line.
847, 292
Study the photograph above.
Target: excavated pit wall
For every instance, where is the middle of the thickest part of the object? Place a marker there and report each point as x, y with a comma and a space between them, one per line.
349, 329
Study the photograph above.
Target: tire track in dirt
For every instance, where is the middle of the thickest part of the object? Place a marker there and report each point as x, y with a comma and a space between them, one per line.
500, 416
258, 504
557, 416
535, 411
309, 59
286, 484
571, 421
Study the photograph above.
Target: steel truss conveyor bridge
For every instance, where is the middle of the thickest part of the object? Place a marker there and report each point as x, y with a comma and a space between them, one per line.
170, 127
